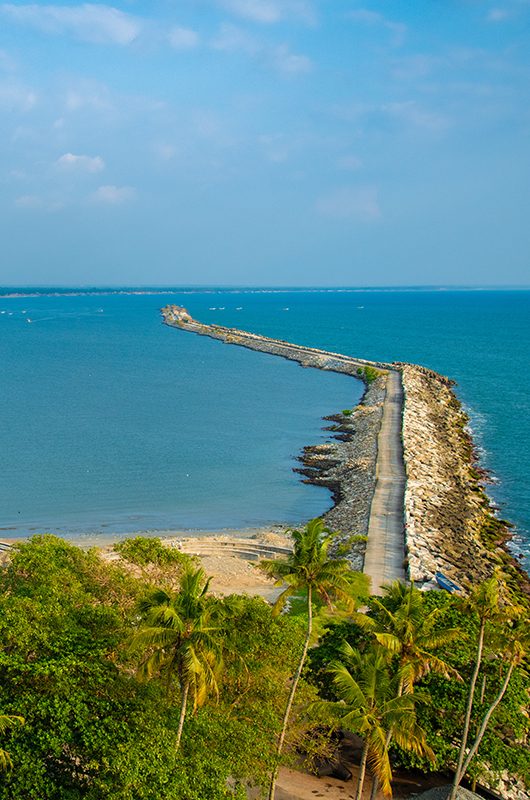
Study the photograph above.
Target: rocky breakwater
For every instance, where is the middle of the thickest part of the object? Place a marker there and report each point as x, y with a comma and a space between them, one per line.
347, 464
450, 523
178, 317
347, 467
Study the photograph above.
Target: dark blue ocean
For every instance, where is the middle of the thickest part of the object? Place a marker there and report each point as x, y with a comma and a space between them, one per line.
111, 422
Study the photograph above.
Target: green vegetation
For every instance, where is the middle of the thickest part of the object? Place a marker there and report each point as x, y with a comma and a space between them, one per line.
369, 374
7, 721
183, 638
142, 550
311, 570
371, 703
93, 730
487, 604
133, 692
432, 639
345, 546
347, 412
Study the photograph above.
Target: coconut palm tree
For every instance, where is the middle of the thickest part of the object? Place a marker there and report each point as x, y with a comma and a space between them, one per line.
515, 651
402, 626
181, 634
488, 602
7, 721
370, 706
309, 569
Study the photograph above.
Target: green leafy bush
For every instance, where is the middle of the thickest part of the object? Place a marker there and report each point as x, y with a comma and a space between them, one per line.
94, 731
368, 374
143, 550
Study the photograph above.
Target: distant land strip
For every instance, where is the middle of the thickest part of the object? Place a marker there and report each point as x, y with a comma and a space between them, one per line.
409, 497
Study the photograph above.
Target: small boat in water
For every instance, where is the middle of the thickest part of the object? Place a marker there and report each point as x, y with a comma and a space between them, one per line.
446, 583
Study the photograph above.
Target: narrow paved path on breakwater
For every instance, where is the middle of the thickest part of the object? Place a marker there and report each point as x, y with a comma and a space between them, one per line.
385, 549
384, 558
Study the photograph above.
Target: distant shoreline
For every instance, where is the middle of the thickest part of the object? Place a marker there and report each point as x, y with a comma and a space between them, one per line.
104, 291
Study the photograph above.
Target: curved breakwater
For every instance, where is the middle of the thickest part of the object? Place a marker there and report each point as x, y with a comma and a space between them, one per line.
447, 521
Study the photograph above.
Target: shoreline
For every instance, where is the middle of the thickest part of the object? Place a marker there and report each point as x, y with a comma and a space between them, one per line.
102, 540
450, 523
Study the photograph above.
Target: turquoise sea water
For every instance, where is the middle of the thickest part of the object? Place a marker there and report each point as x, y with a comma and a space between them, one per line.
111, 421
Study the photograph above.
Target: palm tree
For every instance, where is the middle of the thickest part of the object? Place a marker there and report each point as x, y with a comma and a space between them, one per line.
181, 634
370, 706
486, 602
7, 721
309, 569
516, 650
404, 628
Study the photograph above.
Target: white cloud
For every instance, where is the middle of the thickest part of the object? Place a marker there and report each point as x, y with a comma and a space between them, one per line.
374, 18
413, 114
69, 161
359, 204
164, 151
415, 66
113, 195
267, 12
88, 95
89, 22
183, 38
17, 98
6, 62
34, 202
290, 63
29, 201
497, 15
351, 163
275, 147
232, 39
404, 114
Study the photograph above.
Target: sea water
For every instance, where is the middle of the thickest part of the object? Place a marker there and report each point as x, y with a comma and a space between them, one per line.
111, 421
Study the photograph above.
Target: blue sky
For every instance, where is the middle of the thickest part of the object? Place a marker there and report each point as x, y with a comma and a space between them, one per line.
288, 142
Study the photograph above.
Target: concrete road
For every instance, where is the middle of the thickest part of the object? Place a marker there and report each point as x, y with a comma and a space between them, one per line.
385, 549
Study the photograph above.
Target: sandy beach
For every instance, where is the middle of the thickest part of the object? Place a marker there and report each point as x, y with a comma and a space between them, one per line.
228, 556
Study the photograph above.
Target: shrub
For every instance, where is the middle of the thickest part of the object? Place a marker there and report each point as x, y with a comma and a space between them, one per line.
345, 546
368, 374
142, 550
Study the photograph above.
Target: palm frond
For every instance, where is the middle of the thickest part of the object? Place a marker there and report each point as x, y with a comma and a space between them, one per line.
347, 687
378, 758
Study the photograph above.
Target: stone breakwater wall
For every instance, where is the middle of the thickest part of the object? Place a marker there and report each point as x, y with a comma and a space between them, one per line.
306, 356
347, 466
450, 523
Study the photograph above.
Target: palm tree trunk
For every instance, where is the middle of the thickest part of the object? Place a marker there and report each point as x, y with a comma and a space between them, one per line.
375, 787
486, 719
362, 772
465, 733
388, 739
294, 685
183, 705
